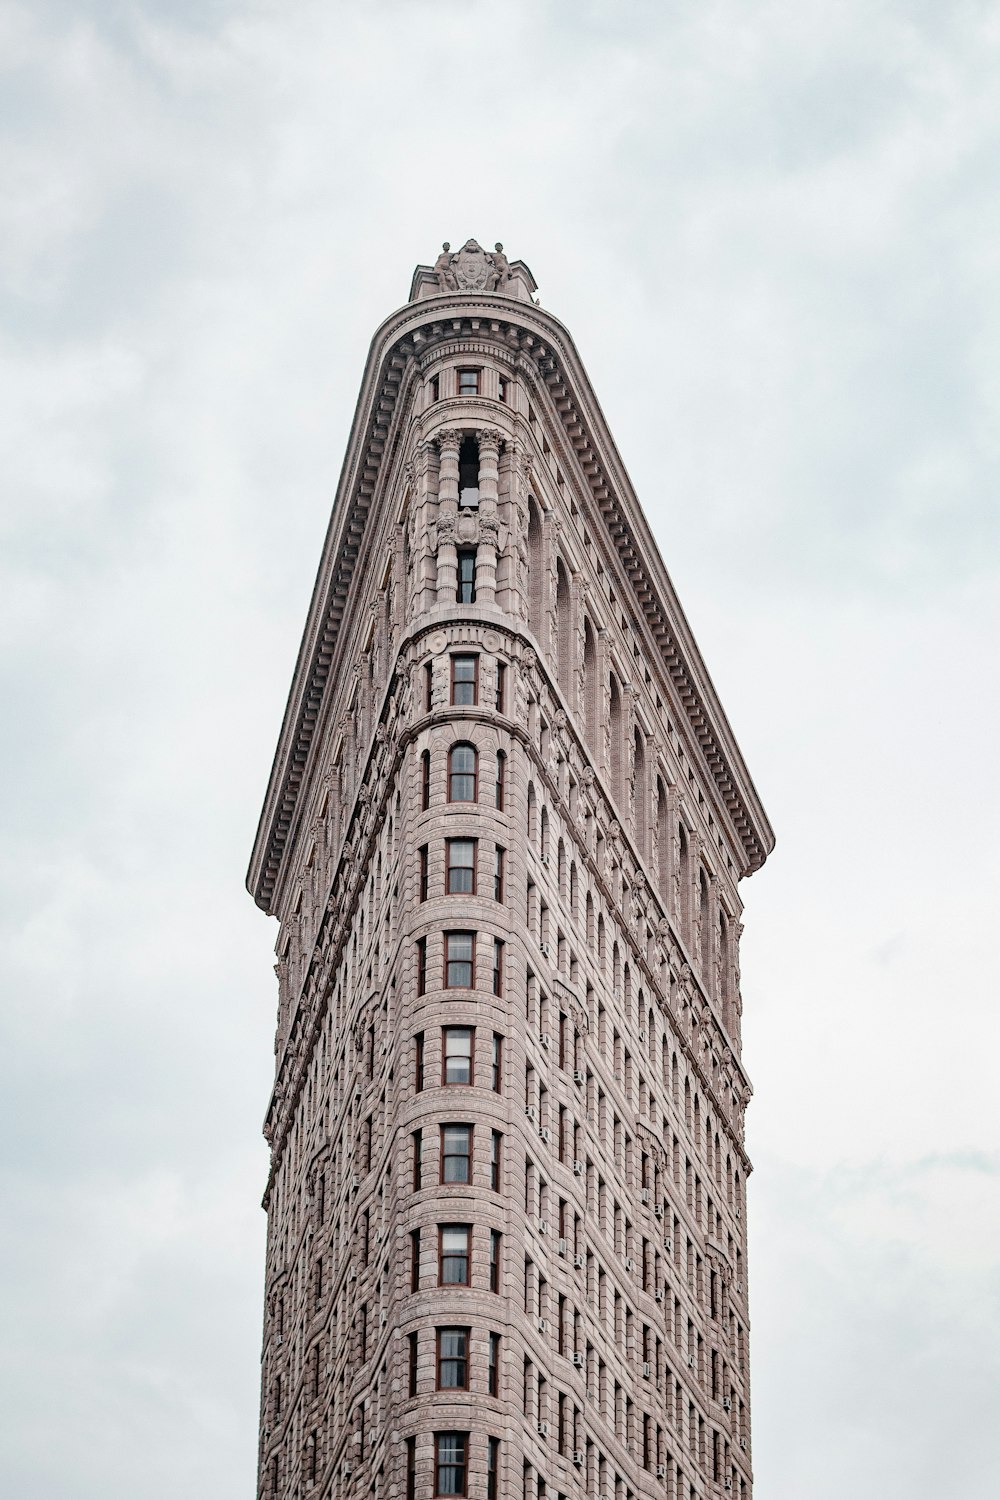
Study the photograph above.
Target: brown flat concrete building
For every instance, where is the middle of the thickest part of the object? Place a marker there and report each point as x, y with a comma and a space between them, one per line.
503, 838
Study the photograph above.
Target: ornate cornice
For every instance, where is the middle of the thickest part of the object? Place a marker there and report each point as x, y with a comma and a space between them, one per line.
372, 449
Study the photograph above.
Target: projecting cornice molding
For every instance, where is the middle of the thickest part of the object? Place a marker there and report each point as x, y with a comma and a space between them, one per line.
540, 339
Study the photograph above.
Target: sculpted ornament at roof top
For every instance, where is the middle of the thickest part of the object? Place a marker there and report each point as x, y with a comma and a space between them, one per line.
472, 269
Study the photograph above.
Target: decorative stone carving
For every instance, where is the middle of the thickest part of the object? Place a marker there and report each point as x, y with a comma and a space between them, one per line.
473, 269
446, 278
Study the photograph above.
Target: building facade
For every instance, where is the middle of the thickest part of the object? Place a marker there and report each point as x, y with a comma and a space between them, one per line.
503, 836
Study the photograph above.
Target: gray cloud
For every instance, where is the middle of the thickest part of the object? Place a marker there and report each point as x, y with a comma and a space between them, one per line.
772, 230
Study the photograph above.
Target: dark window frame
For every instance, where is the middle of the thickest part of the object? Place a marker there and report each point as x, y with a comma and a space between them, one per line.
447, 960
452, 1256
464, 682
466, 370
500, 786
466, 576
496, 1063
453, 774
472, 868
459, 1463
463, 1359
458, 1083
418, 1062
466, 1156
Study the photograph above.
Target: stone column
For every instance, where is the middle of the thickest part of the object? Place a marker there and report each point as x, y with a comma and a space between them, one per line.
447, 520
489, 519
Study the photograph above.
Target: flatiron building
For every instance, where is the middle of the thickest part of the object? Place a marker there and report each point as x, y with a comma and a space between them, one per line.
503, 838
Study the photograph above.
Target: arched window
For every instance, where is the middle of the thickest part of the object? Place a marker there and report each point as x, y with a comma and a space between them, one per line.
641, 799
463, 773
684, 859
662, 837
563, 624
536, 578
425, 781
591, 687
615, 715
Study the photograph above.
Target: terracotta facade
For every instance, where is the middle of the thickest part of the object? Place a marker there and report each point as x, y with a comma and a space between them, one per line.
503, 837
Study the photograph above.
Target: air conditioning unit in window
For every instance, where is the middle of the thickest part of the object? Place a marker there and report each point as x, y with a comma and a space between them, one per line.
577, 1167
647, 1369
543, 1429
579, 1262
545, 949
546, 859
727, 1403
347, 1468
743, 1443
729, 1484
358, 1091
578, 1360
660, 1294
642, 1033
544, 1040
739, 1212
691, 1361
578, 1458
661, 1471
579, 1076
668, 1244
531, 1112
543, 1325
658, 1210
629, 1263
355, 1181
644, 1195
383, 1318
561, 1247
279, 1340
543, 1226
545, 1134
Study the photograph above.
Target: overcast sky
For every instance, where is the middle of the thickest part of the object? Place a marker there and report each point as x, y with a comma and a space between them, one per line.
773, 231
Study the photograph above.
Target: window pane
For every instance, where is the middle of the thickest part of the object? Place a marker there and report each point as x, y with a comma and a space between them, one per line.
453, 1358
450, 1478
461, 867
456, 1153
458, 1054
462, 774
459, 960
463, 680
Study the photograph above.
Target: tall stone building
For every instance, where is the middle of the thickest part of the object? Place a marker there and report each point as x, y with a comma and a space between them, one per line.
503, 837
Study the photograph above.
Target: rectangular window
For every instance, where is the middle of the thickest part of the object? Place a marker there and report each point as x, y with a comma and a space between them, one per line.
418, 1062
493, 1469
496, 1147
468, 382
466, 575
425, 781
461, 867
459, 960
494, 1260
501, 779
502, 389
453, 1359
453, 1254
493, 1368
498, 872
412, 1339
428, 687
451, 1463
435, 384
422, 872
418, 1160
414, 1260
421, 966
456, 1153
411, 1468
496, 1063
501, 688
464, 681
497, 967
457, 1054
